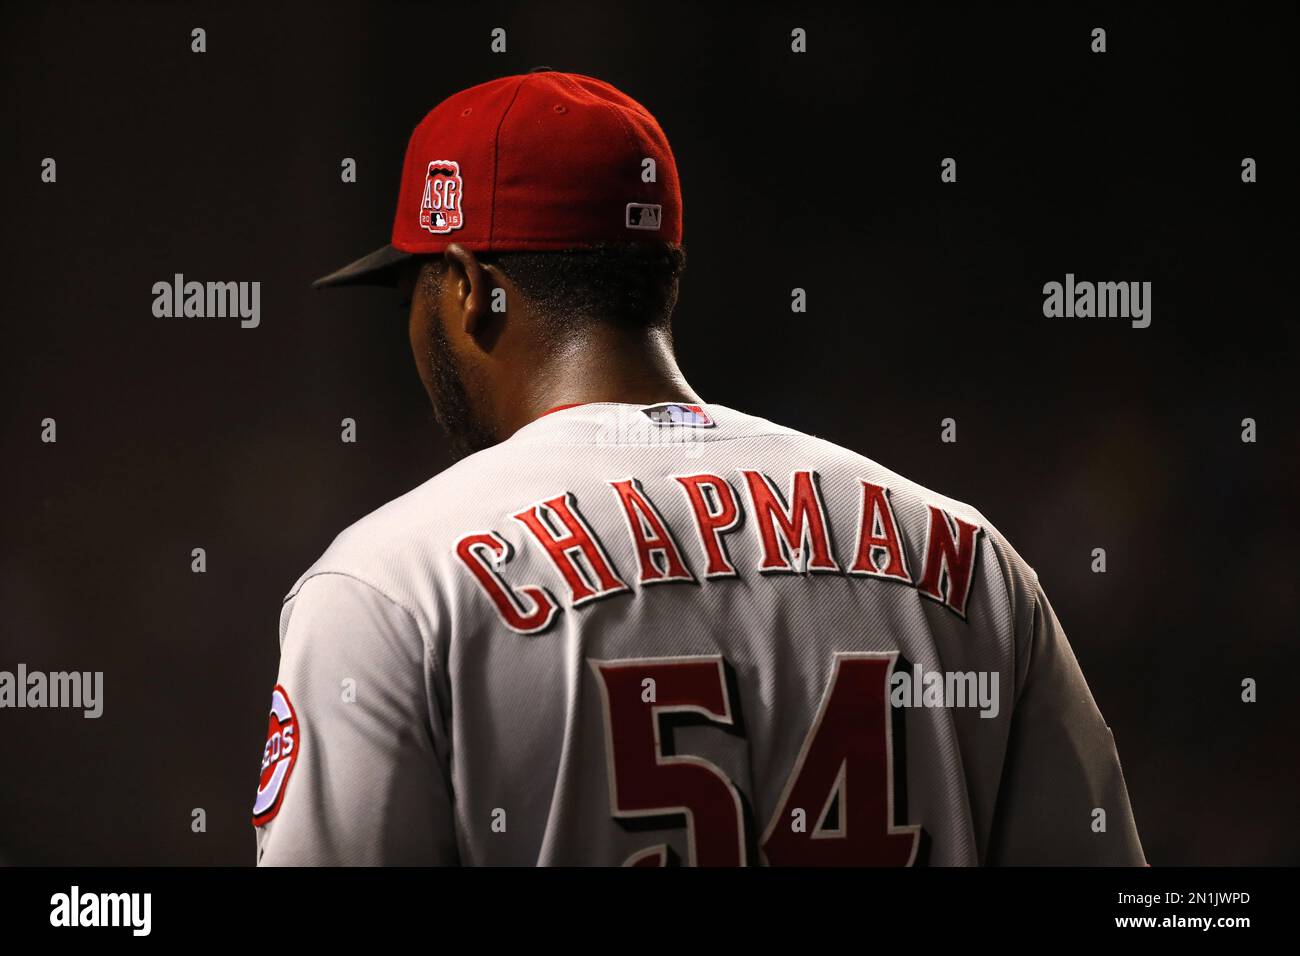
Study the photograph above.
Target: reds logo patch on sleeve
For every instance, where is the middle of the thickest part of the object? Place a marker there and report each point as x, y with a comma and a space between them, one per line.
278, 757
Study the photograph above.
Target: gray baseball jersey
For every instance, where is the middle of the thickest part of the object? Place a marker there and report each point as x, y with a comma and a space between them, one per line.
652, 635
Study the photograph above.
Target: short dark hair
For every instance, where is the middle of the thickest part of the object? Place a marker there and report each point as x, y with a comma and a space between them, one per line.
633, 284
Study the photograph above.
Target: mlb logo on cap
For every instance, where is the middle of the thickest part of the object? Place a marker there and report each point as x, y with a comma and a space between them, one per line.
644, 215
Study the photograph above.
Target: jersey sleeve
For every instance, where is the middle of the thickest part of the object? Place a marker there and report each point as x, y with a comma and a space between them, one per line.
1061, 765
350, 772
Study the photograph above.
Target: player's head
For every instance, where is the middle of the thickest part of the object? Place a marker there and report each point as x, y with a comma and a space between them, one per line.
617, 297
535, 212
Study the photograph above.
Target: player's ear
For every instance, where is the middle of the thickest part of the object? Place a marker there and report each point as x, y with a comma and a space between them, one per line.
471, 285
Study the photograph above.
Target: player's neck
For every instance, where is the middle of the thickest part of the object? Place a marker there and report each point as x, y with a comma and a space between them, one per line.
636, 368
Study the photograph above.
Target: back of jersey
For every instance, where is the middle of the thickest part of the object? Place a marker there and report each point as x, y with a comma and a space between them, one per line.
652, 635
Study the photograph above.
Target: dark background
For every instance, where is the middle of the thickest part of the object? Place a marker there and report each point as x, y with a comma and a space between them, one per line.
819, 171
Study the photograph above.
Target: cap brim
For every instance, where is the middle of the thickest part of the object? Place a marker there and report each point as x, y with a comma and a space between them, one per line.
381, 267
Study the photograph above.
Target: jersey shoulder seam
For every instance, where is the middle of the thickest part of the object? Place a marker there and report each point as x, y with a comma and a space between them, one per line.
995, 538
415, 621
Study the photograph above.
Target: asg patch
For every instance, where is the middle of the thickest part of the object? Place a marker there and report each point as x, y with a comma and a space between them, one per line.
691, 416
641, 215
278, 757
440, 210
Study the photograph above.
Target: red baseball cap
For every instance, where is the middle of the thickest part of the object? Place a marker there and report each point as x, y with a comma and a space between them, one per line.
541, 161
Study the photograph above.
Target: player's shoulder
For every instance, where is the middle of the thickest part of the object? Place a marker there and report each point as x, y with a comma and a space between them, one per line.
906, 495
384, 549
1001, 562
915, 505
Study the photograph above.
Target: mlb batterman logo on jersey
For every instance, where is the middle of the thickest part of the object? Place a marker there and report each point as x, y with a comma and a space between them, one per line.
440, 210
671, 413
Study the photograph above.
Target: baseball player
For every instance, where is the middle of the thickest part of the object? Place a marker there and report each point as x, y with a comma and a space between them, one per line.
633, 627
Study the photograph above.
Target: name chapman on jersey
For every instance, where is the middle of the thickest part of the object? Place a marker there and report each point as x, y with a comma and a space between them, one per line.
792, 531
